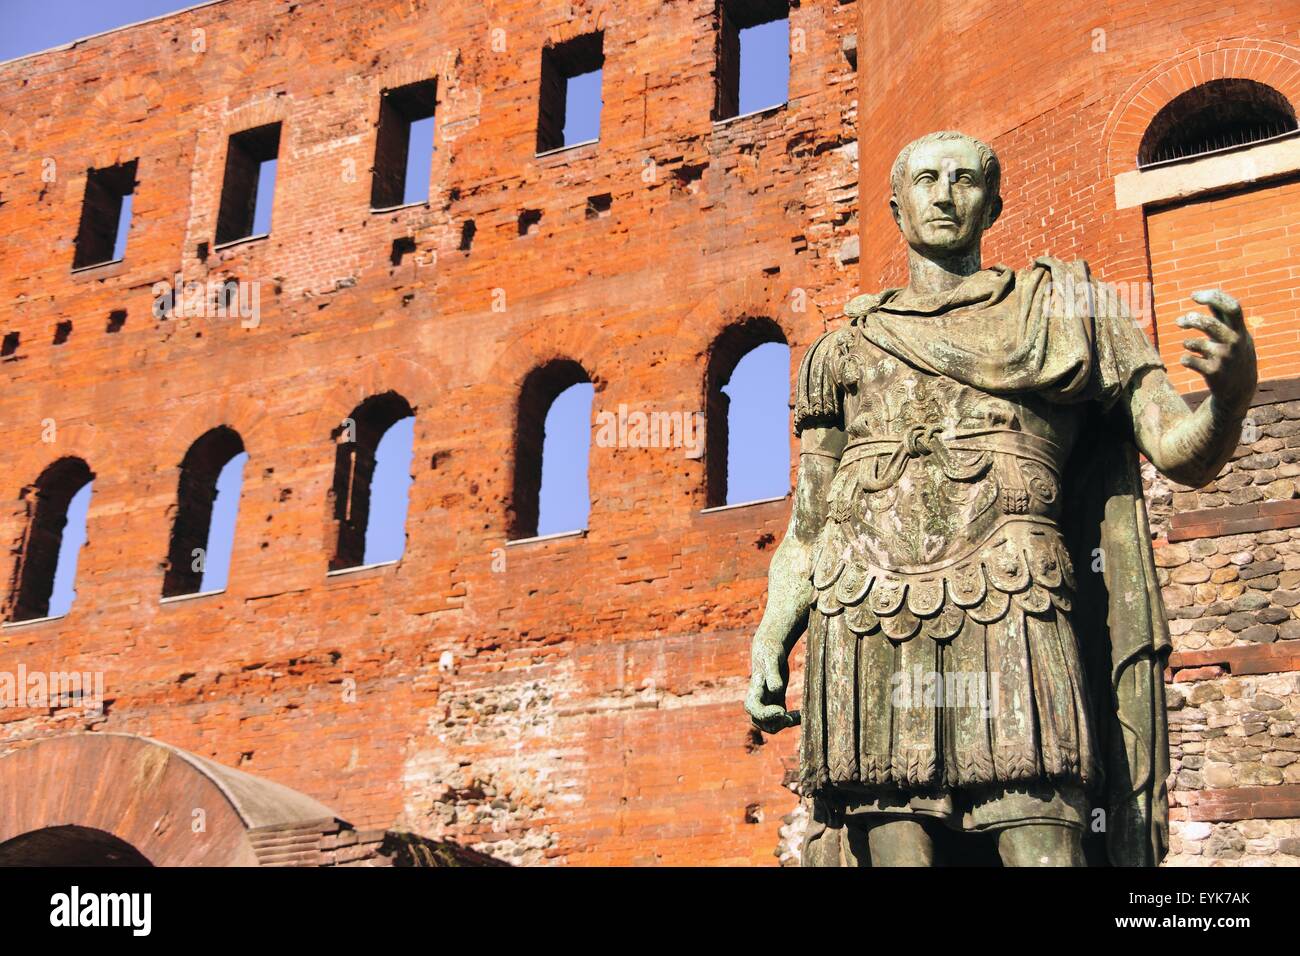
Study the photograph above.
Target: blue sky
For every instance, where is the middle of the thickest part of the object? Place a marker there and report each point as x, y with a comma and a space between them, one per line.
764, 65
758, 450
74, 536
758, 425
390, 490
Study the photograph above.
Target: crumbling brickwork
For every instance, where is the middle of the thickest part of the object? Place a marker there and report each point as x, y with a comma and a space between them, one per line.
575, 700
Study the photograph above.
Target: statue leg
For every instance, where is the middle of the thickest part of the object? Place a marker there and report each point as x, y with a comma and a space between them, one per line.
1041, 844
822, 843
892, 842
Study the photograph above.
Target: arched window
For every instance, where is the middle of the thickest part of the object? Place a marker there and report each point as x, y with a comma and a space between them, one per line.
1218, 115
748, 414
554, 428
207, 504
47, 565
372, 479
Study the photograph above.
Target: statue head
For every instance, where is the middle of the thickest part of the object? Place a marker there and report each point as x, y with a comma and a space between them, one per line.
944, 192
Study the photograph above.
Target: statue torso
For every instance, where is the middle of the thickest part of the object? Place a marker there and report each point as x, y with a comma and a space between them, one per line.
946, 498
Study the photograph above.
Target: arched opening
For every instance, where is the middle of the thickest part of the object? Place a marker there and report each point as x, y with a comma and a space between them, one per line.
47, 564
69, 846
207, 505
1217, 115
372, 479
552, 450
747, 403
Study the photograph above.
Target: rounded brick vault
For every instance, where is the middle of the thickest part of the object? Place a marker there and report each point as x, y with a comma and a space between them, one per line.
120, 799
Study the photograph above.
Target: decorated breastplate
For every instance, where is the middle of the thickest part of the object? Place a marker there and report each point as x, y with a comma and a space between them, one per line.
943, 506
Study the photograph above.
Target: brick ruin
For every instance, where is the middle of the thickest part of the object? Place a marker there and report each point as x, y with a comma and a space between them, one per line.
573, 700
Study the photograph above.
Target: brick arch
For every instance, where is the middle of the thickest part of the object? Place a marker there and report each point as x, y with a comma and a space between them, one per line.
735, 303
79, 439
97, 447
1264, 61
233, 61
585, 22
416, 382
145, 794
537, 394
407, 71
243, 414
46, 503
545, 342
744, 312
126, 99
192, 510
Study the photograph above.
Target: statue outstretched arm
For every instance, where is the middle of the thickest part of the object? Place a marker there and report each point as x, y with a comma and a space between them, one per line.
789, 588
1191, 447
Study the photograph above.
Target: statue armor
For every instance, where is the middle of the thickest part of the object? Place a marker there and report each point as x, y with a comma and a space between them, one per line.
942, 554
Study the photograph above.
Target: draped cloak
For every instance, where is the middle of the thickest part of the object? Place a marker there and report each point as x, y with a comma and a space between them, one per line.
1054, 341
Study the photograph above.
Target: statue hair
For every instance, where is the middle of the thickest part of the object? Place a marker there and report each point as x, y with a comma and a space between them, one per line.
988, 159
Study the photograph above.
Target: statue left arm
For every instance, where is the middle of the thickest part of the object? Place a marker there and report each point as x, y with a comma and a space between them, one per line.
1191, 447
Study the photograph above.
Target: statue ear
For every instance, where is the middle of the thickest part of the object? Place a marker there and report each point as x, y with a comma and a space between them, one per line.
893, 209
995, 210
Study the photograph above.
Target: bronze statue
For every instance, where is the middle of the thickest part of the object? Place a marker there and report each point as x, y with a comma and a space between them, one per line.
969, 551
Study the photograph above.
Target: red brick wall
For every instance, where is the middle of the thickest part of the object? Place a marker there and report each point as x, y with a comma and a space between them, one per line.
593, 713
592, 710
1247, 242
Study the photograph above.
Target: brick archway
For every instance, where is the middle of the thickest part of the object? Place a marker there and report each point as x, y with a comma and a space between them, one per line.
171, 807
1244, 58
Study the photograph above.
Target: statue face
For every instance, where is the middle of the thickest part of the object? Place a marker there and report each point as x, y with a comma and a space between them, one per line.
943, 205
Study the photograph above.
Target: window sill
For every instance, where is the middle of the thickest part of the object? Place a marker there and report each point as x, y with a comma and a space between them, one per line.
13, 625
537, 539
543, 154
217, 247
751, 114
743, 504
340, 572
1185, 178
78, 270
178, 598
380, 210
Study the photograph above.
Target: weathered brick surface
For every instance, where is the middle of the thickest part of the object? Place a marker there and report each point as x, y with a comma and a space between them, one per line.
580, 704
591, 712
